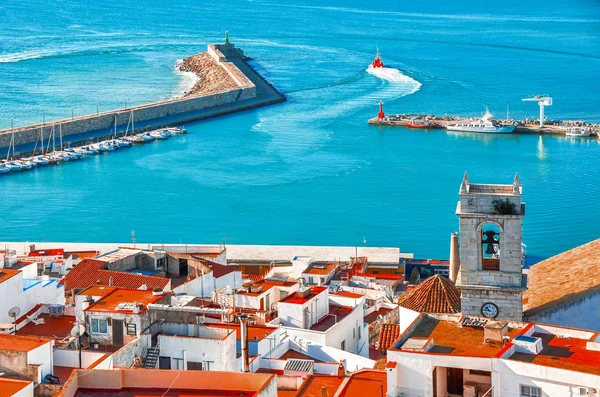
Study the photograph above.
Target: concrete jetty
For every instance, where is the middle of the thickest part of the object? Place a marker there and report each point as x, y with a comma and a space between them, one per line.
521, 127
246, 89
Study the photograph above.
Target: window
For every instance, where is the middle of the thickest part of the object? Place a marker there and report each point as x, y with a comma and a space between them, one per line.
343, 345
583, 391
530, 391
354, 333
359, 332
477, 372
311, 280
99, 326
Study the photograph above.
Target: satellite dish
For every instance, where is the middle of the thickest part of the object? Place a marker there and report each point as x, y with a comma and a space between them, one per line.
14, 312
78, 330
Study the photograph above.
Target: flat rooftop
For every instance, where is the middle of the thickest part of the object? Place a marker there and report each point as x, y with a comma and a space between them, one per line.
335, 315
21, 343
563, 352
300, 300
117, 301
449, 338
133, 392
54, 327
10, 387
366, 383
255, 332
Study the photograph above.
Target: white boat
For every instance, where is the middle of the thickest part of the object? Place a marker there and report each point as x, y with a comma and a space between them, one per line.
160, 134
13, 166
123, 142
176, 130
578, 131
4, 169
25, 165
486, 124
147, 137
40, 160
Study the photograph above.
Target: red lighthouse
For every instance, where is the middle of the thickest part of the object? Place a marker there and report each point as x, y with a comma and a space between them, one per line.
380, 115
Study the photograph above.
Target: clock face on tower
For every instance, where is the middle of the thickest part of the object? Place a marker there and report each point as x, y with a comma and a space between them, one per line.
489, 310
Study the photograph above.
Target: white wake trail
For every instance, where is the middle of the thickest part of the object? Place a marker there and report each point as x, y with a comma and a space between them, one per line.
396, 77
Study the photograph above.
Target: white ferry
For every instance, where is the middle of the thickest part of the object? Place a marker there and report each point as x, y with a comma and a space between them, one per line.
579, 131
485, 124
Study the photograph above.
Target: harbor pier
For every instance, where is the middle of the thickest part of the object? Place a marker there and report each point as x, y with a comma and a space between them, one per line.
244, 89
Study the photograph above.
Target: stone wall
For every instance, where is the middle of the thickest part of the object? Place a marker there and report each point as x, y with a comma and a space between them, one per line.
146, 117
509, 303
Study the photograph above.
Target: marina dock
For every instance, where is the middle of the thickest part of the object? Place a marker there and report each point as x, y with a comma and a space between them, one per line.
250, 91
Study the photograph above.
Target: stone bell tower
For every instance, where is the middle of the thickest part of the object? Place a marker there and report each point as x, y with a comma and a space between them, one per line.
490, 275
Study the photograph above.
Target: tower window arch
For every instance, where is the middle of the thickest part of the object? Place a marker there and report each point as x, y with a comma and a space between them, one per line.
490, 235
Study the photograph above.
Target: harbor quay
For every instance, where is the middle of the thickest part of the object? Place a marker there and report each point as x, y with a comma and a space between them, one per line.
431, 121
234, 86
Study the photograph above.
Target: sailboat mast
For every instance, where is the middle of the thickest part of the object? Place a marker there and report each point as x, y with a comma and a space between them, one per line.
60, 135
116, 126
132, 123
42, 137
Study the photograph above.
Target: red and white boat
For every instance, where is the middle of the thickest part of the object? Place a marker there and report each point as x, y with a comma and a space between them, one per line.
377, 62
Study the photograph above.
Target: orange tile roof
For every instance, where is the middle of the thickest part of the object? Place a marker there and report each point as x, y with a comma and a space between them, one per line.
89, 271
437, 294
5, 274
314, 383
564, 278
365, 383
97, 290
109, 302
388, 334
10, 387
21, 343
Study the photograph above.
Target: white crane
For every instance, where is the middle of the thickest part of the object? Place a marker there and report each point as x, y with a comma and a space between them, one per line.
542, 100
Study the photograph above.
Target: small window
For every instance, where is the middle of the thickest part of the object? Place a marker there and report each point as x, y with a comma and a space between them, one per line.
99, 326
583, 391
530, 391
311, 280
359, 332
354, 333
343, 345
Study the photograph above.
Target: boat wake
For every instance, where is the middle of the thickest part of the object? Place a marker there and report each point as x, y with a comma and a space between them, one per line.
396, 77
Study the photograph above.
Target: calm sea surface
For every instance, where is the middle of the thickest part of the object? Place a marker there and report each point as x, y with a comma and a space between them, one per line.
310, 171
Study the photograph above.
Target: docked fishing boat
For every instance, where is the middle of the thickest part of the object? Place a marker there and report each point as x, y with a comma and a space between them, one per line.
13, 165
377, 62
421, 124
579, 131
486, 124
25, 164
123, 142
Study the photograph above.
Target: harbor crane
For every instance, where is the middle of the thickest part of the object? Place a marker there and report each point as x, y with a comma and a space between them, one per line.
542, 100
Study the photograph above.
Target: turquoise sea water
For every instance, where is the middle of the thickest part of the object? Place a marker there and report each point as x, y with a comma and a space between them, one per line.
310, 171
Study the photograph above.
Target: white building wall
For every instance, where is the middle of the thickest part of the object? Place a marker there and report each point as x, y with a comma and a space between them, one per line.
204, 286
509, 375
46, 292
27, 391
11, 291
220, 353
43, 357
407, 317
414, 371
575, 314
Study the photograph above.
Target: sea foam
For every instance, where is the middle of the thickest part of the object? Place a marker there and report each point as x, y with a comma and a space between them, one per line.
396, 77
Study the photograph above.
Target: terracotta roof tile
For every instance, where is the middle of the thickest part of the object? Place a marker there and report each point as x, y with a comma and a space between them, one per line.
89, 271
437, 294
564, 278
388, 335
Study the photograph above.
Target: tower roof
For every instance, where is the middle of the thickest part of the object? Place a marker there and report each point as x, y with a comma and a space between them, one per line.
435, 295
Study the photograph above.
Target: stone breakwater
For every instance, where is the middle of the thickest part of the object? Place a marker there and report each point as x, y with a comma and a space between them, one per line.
212, 78
226, 84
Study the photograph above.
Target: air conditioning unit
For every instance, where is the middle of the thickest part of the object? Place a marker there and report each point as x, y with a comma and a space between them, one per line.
528, 344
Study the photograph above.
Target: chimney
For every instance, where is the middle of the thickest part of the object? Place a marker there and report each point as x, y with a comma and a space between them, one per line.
324, 392
244, 341
454, 257
342, 369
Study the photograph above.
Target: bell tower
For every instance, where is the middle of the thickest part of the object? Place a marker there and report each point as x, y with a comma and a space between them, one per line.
491, 259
